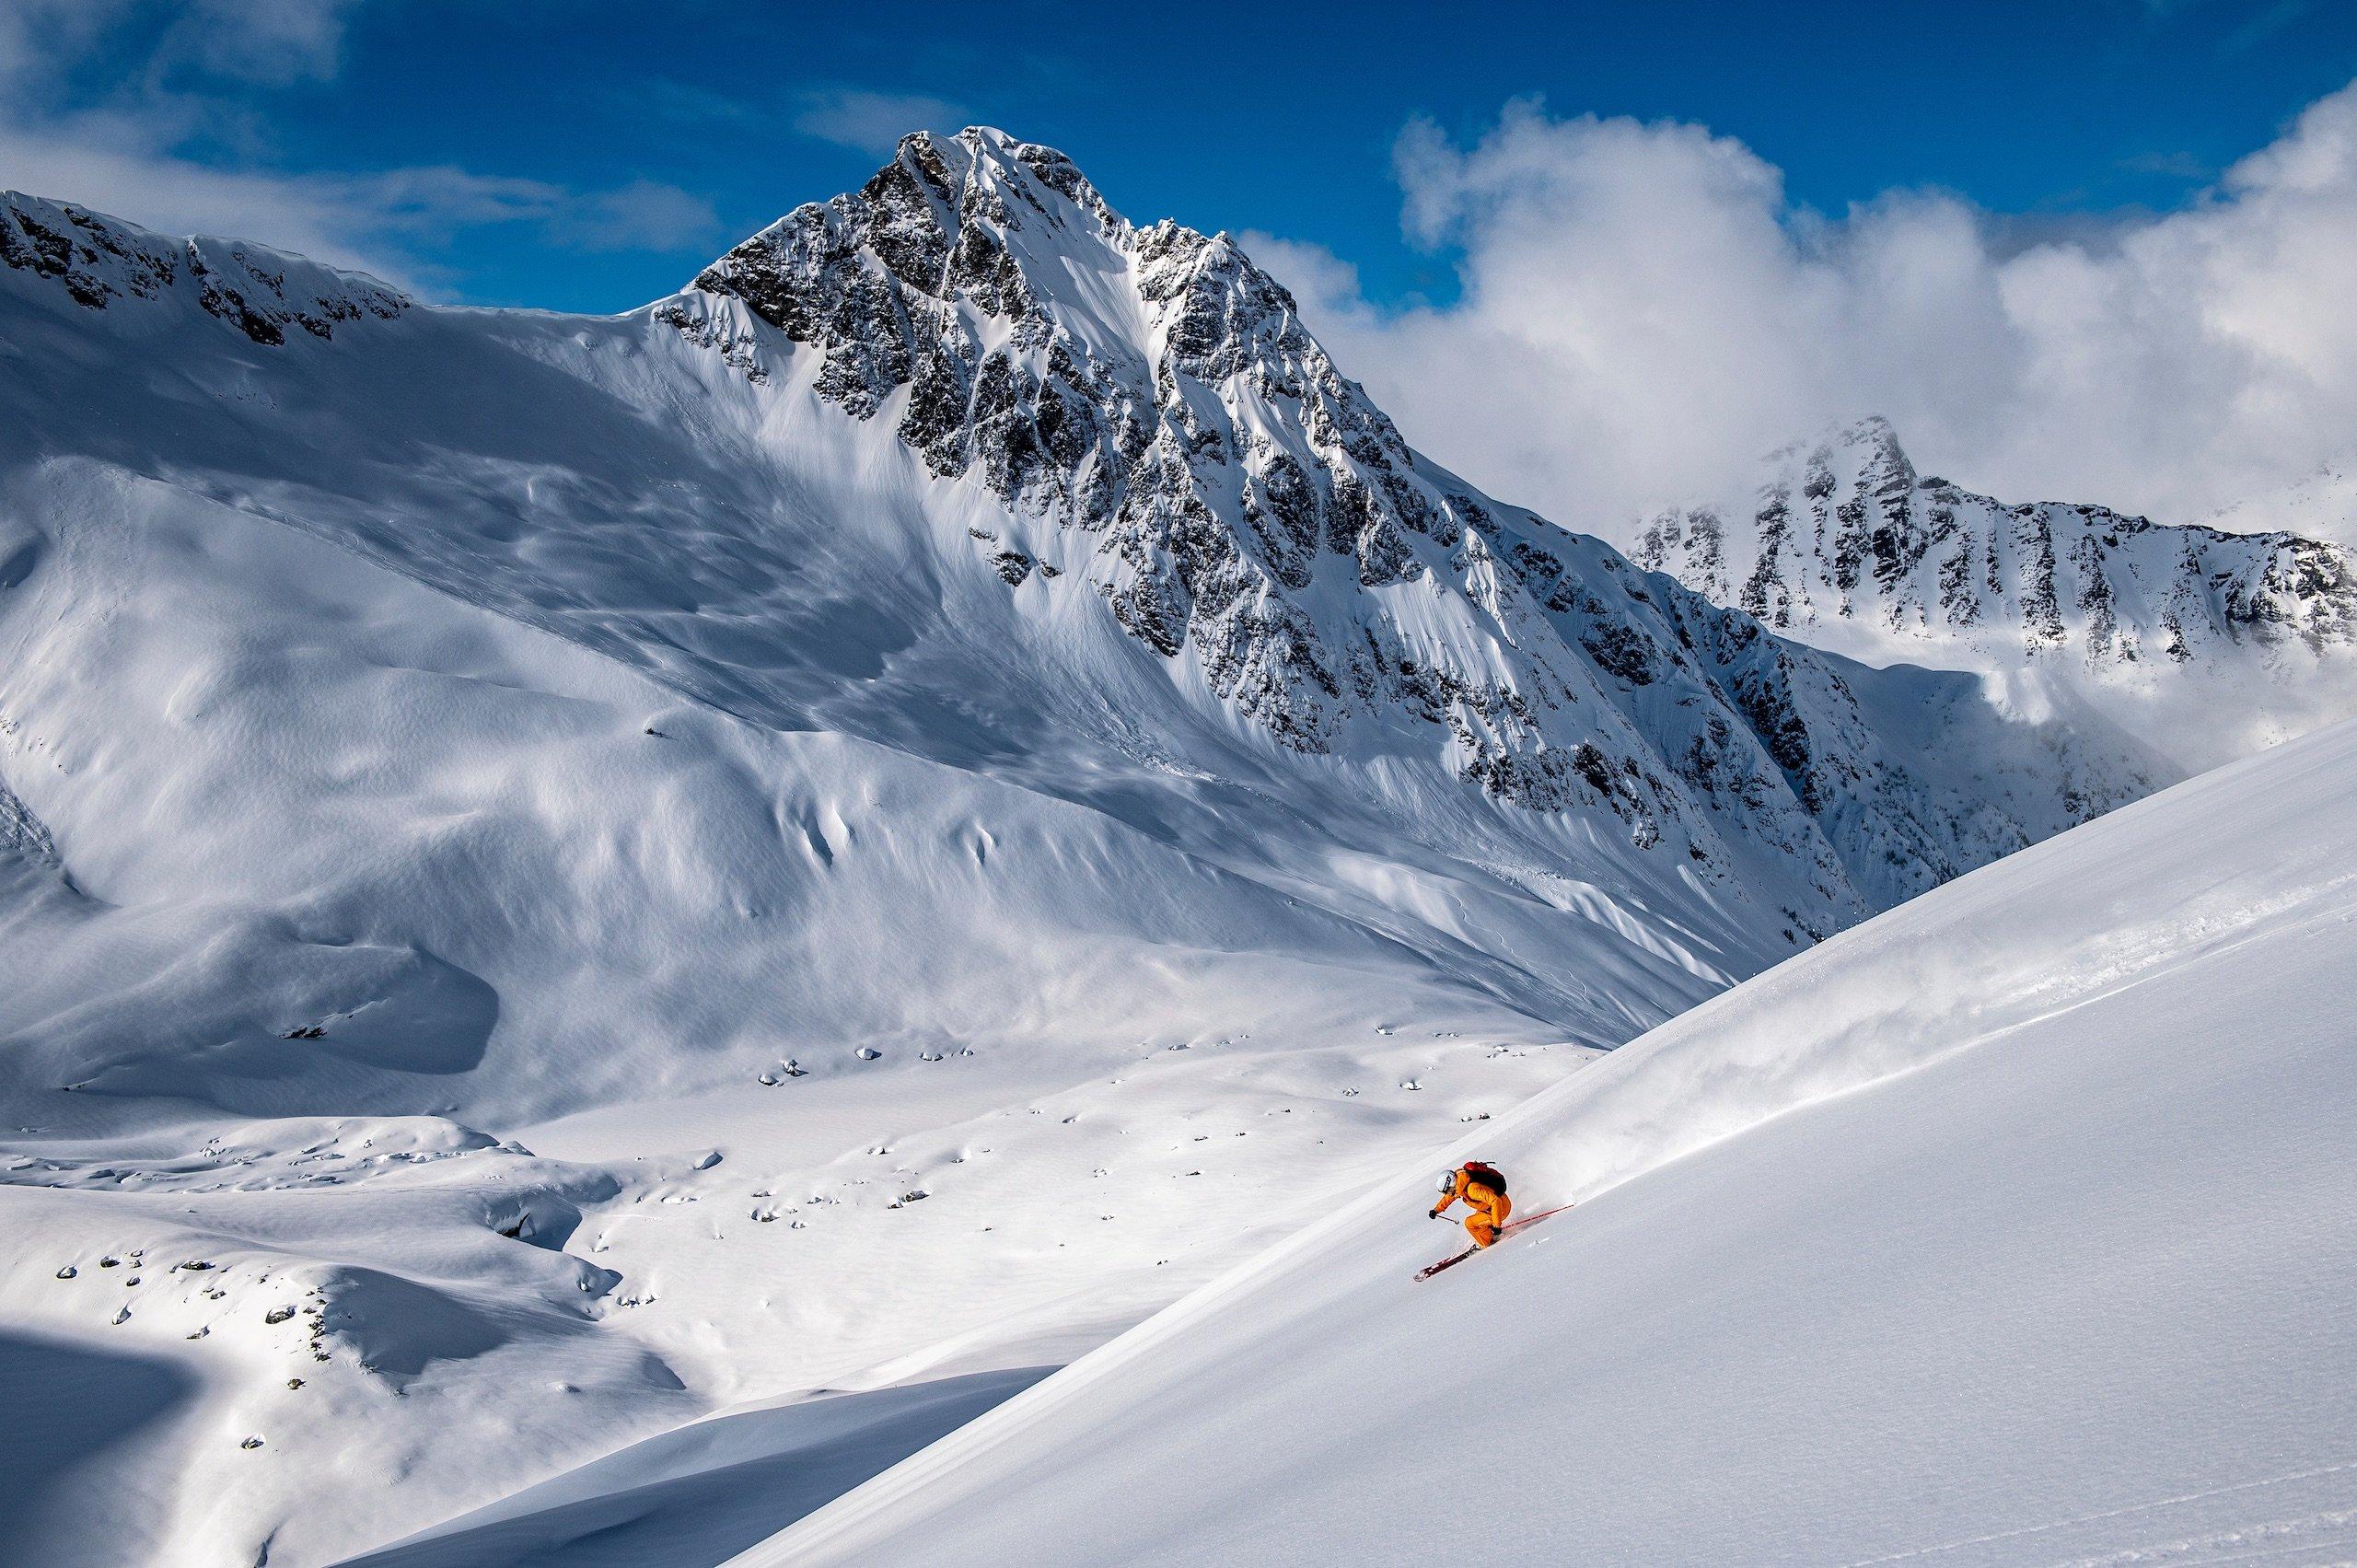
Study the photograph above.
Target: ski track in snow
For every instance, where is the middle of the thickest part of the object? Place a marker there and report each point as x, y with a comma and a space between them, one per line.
2340, 1524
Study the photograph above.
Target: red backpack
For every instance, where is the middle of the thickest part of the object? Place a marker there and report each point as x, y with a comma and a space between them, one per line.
1487, 1175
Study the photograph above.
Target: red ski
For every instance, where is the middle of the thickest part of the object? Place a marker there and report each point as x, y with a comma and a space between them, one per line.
1429, 1270
1509, 1228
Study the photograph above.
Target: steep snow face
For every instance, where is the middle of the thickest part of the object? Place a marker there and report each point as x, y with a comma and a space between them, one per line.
2013, 1225
563, 874
1844, 545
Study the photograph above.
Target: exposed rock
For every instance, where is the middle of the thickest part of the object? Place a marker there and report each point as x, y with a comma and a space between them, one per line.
99, 261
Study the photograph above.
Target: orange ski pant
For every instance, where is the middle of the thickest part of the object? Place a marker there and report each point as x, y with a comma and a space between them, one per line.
1489, 1216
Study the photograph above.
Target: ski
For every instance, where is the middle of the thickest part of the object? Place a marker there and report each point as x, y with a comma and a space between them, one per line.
1504, 1231
1429, 1271
1513, 1225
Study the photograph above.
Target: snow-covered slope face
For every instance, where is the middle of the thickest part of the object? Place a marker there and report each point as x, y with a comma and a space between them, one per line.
2012, 1226
857, 823
1845, 546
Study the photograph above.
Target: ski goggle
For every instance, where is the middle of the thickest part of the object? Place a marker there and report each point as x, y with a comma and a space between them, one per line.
1447, 1182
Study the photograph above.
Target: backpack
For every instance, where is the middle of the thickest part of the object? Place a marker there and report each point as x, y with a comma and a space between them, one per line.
1487, 1175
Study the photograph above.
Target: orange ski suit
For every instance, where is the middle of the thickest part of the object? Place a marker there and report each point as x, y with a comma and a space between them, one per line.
1490, 1207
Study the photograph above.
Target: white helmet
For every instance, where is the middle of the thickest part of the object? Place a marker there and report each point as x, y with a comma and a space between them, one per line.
1447, 1182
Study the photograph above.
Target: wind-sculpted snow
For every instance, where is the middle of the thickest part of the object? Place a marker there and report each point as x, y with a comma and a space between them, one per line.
1845, 544
850, 825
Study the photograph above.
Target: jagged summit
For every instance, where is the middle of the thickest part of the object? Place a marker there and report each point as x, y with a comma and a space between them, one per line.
1133, 382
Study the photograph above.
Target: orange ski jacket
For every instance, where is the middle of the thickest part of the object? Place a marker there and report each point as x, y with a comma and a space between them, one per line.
1490, 1206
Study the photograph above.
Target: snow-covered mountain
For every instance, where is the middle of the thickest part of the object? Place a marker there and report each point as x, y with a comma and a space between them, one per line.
561, 873
1152, 415
1844, 545
2012, 1226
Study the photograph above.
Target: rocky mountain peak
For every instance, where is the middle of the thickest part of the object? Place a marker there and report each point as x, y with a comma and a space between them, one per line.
1150, 386
1119, 455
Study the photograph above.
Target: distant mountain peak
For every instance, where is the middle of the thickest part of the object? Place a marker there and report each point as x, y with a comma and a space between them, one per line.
1845, 544
1872, 431
98, 262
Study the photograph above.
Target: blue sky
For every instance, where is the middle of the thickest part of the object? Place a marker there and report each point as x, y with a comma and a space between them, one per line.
591, 156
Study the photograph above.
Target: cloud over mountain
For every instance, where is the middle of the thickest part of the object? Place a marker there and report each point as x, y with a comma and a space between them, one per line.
1645, 309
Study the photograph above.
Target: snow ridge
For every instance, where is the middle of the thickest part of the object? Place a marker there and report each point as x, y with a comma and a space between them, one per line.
99, 261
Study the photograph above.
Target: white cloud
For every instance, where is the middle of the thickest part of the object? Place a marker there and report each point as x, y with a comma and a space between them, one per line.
259, 40
1643, 311
395, 223
37, 34
645, 214
872, 121
248, 41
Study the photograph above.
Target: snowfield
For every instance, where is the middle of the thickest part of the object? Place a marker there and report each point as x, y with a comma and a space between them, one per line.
2012, 1226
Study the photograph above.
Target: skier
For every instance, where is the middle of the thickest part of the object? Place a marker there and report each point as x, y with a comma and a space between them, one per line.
1484, 1191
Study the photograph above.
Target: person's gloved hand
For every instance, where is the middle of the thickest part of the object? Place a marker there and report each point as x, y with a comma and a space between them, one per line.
1431, 1213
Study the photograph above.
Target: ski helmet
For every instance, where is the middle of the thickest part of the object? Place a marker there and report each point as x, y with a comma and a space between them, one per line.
1448, 1181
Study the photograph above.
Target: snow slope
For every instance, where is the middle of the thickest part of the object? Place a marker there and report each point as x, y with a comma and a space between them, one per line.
2321, 506
2206, 644
704, 1492
2012, 1226
873, 822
